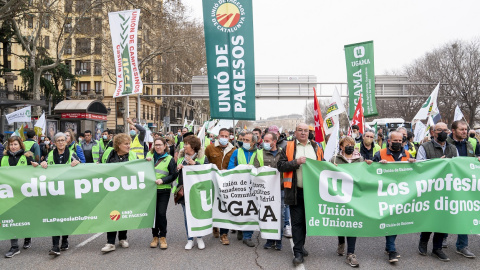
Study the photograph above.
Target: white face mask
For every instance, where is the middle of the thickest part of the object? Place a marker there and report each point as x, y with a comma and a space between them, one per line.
47, 142
232, 137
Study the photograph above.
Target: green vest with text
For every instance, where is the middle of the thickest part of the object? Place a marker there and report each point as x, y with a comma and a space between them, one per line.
161, 170
137, 148
242, 160
52, 162
21, 162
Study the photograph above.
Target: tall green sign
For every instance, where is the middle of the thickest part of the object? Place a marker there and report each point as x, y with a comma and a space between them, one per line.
440, 195
228, 28
65, 200
361, 77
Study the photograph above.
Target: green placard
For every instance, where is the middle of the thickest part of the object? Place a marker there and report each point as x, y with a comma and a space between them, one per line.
65, 200
361, 77
228, 28
440, 195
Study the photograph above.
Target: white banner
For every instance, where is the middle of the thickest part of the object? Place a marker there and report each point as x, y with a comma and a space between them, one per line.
335, 107
332, 144
244, 198
223, 123
22, 115
123, 28
429, 108
419, 132
458, 114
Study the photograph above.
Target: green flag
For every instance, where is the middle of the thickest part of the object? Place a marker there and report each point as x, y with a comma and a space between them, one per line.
230, 59
361, 77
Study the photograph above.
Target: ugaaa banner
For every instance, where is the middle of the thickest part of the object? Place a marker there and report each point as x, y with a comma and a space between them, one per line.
439, 195
123, 29
245, 198
65, 200
361, 77
228, 26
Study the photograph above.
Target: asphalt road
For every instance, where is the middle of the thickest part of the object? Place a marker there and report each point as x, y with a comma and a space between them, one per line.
84, 253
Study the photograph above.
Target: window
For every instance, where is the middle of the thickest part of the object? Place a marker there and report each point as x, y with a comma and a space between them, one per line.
82, 68
97, 49
68, 5
29, 20
98, 87
98, 25
46, 21
139, 44
68, 65
68, 46
84, 87
81, 5
97, 68
47, 42
143, 111
119, 109
83, 25
83, 46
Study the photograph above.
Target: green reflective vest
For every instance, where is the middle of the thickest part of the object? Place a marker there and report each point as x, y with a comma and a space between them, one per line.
180, 146
242, 160
28, 145
137, 148
176, 139
106, 154
161, 170
95, 150
207, 142
52, 162
104, 145
376, 147
473, 141
21, 162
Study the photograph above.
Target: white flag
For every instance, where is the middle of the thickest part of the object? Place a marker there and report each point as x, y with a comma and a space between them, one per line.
201, 134
330, 123
430, 124
335, 107
419, 131
223, 123
123, 29
332, 145
429, 108
22, 115
458, 114
40, 124
185, 122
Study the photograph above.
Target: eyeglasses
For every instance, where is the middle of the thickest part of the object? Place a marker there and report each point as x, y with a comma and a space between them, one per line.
62, 141
158, 145
368, 137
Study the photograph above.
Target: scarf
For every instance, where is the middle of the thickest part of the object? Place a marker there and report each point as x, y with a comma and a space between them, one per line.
56, 156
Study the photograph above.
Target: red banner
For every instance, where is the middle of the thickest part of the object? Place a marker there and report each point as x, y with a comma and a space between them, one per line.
91, 116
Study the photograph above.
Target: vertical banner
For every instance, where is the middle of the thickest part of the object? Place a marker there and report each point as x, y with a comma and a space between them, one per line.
244, 198
228, 28
361, 77
123, 28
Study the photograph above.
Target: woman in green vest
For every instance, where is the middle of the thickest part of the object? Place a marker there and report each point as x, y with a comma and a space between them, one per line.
73, 146
15, 155
60, 155
119, 153
191, 154
165, 174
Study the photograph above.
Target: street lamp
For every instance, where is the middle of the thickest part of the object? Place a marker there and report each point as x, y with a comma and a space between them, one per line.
47, 75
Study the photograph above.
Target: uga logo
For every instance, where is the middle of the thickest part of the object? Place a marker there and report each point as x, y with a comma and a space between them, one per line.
335, 187
359, 52
201, 199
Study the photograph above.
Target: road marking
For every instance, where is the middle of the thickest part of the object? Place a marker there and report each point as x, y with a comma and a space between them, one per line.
88, 240
300, 266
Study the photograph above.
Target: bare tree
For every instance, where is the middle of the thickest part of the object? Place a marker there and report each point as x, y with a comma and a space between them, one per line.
10, 8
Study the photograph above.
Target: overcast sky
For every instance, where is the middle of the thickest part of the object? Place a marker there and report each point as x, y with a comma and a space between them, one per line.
306, 37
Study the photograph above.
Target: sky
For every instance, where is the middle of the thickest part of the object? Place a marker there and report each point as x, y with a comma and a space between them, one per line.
306, 37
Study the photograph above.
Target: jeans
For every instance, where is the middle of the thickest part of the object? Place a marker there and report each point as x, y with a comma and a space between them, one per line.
14, 242
247, 235
122, 235
186, 226
160, 226
56, 240
437, 239
299, 227
390, 243
223, 231
351, 241
462, 241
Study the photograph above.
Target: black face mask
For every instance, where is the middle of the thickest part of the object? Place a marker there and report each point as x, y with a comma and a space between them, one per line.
240, 144
349, 150
396, 146
442, 136
404, 139
472, 135
310, 136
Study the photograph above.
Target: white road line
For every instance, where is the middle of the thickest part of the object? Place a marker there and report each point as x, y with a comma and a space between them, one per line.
88, 240
300, 266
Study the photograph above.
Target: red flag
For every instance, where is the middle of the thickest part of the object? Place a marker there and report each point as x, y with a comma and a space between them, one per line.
319, 131
358, 116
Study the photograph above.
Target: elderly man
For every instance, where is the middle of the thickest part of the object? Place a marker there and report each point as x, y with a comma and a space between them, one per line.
436, 148
289, 163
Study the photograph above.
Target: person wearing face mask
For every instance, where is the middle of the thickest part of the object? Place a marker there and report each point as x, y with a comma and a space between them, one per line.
407, 145
258, 133
45, 147
348, 154
239, 141
367, 148
247, 154
394, 153
219, 153
137, 133
436, 148
15, 155
105, 141
356, 134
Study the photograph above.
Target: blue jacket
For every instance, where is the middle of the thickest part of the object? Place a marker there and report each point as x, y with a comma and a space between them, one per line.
80, 154
234, 161
1, 150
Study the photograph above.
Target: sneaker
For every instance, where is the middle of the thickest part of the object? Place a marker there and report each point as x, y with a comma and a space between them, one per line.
248, 242
444, 243
12, 252
224, 239
200, 243
239, 235
287, 231
123, 243
341, 249
216, 232
398, 254
465, 252
392, 257
189, 245
64, 245
440, 255
278, 245
422, 248
27, 243
269, 244
54, 251
352, 260
154, 242
108, 248
163, 243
